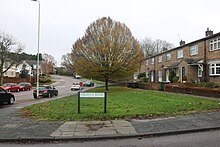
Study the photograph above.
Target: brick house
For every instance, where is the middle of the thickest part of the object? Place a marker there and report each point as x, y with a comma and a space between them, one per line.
197, 61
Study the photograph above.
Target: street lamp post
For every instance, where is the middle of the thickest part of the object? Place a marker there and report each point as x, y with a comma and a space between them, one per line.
38, 46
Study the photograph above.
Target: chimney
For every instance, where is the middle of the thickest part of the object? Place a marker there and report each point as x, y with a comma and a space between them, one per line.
208, 32
182, 42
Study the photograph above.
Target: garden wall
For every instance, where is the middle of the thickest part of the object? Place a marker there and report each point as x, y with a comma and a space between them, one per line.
141, 85
200, 91
19, 80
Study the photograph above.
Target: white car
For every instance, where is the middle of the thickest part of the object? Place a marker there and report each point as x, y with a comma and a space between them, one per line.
75, 86
77, 76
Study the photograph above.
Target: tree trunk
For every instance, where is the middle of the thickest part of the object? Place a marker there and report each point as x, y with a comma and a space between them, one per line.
1, 79
106, 84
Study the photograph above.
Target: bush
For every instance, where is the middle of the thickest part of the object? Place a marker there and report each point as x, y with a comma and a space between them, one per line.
44, 79
210, 85
171, 75
175, 79
144, 79
140, 75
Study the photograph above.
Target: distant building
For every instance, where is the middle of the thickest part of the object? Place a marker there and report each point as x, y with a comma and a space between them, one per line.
197, 61
11, 72
30, 66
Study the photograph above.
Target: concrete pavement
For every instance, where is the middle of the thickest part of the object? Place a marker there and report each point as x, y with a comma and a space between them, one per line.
15, 128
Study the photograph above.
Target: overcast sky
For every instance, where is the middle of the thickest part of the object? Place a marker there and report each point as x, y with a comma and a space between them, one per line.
64, 21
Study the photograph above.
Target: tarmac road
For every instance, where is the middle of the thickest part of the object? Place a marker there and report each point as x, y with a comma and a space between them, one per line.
62, 83
200, 139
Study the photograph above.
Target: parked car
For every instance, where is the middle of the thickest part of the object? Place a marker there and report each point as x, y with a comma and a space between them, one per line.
77, 76
6, 97
75, 86
46, 91
25, 86
11, 87
88, 84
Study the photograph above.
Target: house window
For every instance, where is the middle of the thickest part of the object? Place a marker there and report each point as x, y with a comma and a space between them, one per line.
180, 53
214, 44
168, 56
160, 59
146, 62
34, 66
152, 61
214, 69
194, 50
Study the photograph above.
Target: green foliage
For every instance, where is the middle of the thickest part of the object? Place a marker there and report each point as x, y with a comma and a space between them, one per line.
143, 74
144, 79
24, 72
107, 51
210, 84
122, 102
171, 75
45, 79
175, 79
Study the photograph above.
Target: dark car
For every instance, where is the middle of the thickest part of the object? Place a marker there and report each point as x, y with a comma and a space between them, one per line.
46, 91
89, 84
25, 86
6, 97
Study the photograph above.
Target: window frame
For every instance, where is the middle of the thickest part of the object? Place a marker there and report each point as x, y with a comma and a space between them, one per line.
160, 59
147, 62
214, 44
168, 58
152, 61
193, 50
213, 68
179, 53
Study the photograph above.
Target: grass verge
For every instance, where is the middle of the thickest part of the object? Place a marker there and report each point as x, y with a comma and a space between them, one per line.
122, 102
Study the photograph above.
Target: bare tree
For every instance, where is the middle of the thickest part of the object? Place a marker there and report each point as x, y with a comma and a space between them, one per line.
148, 46
67, 62
48, 63
8, 45
154, 47
107, 51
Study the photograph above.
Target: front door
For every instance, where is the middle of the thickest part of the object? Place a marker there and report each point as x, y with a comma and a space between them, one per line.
183, 74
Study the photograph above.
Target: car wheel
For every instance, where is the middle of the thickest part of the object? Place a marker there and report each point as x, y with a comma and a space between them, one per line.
18, 90
9, 90
35, 96
11, 101
56, 94
49, 95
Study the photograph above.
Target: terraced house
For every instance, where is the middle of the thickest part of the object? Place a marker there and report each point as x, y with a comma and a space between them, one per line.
197, 61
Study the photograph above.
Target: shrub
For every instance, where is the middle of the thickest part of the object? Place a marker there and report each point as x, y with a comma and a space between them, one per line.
171, 75
144, 79
175, 79
140, 75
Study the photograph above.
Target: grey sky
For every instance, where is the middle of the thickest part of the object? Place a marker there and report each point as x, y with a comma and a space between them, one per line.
64, 21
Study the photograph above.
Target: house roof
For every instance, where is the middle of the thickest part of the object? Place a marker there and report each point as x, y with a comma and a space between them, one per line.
174, 65
179, 47
32, 62
193, 61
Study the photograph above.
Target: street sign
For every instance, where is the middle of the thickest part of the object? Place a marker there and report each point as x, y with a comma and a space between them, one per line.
92, 95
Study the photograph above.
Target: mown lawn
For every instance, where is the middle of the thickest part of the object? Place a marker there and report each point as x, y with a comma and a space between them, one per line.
122, 102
